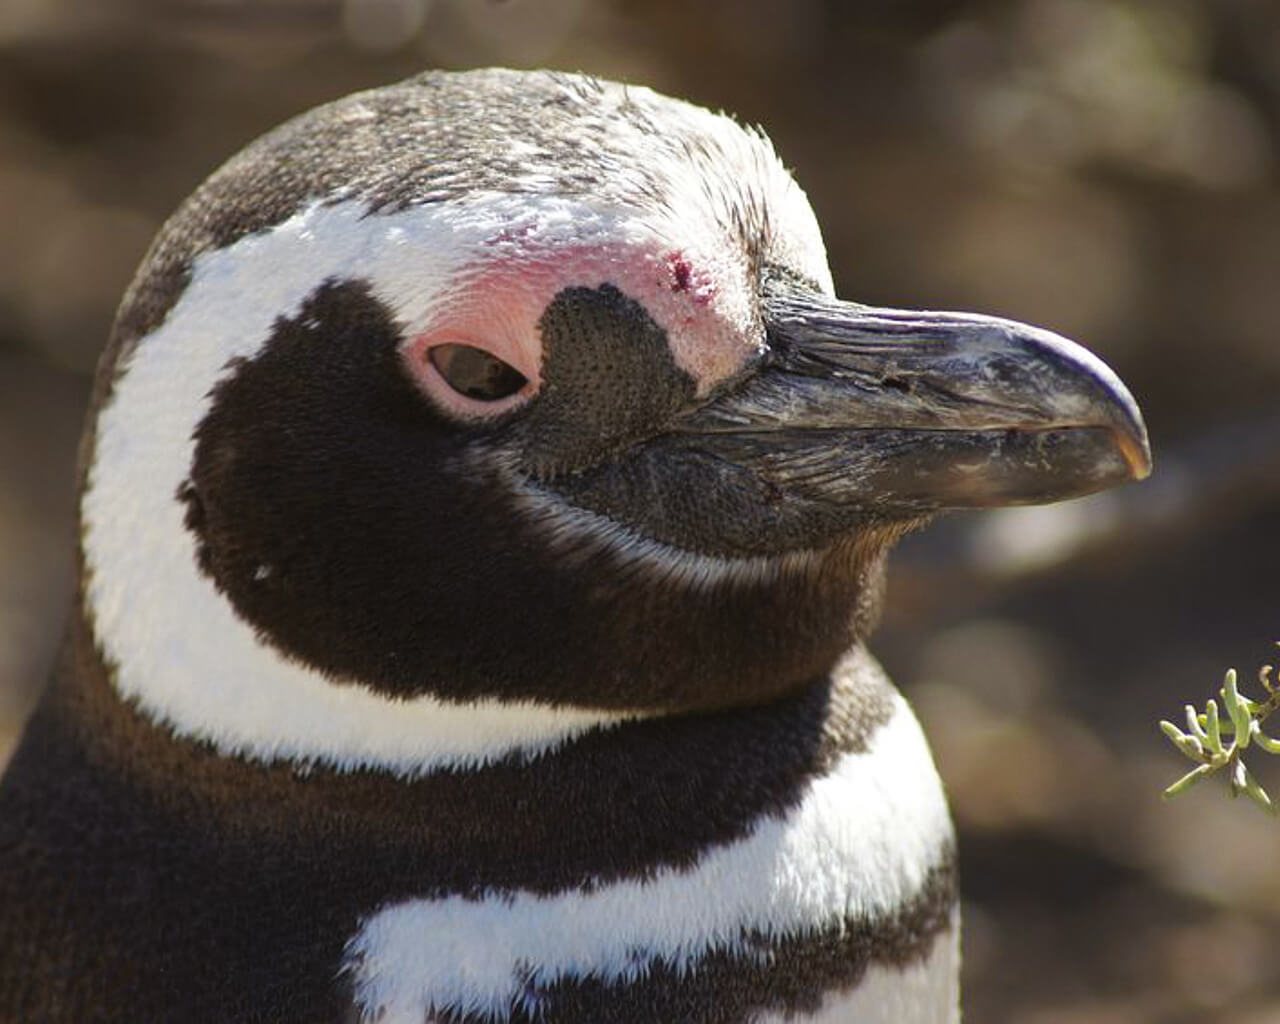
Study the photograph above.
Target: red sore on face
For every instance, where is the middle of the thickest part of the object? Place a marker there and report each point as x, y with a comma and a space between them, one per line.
681, 272
684, 279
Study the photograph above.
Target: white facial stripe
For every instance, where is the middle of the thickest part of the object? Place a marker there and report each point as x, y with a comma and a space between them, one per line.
860, 843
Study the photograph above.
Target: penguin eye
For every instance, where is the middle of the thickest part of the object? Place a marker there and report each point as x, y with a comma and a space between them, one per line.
475, 373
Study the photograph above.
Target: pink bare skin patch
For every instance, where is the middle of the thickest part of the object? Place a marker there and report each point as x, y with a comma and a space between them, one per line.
703, 305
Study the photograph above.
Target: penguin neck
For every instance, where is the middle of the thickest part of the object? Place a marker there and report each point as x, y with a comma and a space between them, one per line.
665, 788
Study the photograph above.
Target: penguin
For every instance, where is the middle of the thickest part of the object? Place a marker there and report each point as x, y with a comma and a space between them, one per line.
484, 506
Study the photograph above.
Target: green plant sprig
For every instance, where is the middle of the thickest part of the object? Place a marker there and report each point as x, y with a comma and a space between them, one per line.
1218, 743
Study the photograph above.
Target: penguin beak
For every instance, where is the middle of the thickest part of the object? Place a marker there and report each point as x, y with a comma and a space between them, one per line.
903, 413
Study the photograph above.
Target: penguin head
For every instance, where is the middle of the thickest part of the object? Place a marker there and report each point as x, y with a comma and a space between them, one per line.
533, 390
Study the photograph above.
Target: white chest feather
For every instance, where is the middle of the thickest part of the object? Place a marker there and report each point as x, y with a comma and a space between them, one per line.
861, 843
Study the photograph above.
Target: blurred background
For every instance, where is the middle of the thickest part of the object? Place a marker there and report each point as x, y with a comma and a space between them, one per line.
1106, 168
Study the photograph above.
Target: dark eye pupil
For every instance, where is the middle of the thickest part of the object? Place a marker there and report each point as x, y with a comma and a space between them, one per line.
475, 373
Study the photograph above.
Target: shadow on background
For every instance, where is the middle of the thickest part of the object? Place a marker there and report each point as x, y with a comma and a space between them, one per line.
1105, 168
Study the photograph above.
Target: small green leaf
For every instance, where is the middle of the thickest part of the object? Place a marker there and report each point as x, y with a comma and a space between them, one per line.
1212, 726
1255, 792
1239, 777
1193, 724
1187, 781
1188, 745
1267, 743
1236, 708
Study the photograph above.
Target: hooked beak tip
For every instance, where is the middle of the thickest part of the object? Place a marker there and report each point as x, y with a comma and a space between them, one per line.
1136, 451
